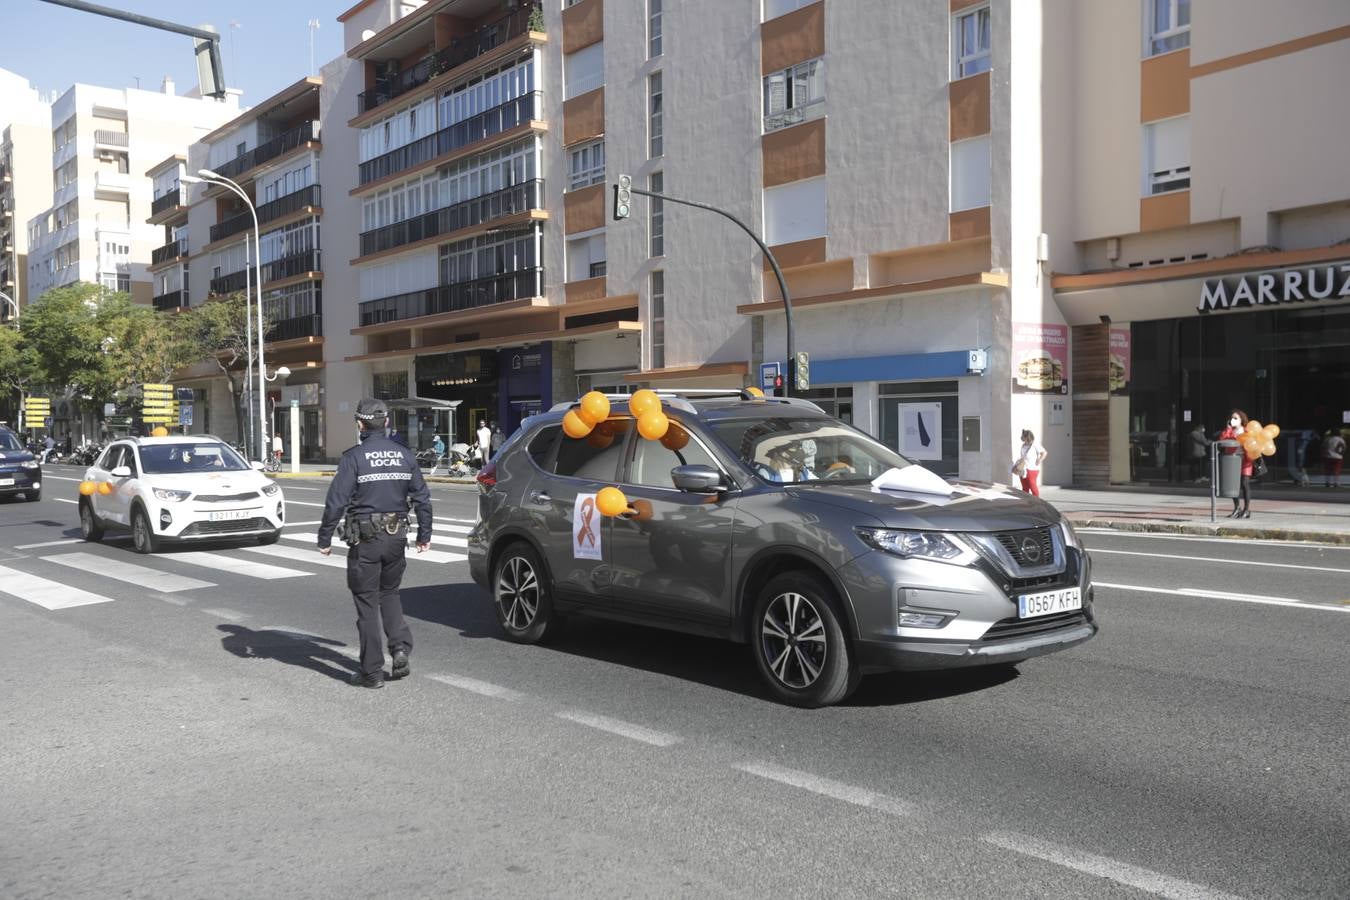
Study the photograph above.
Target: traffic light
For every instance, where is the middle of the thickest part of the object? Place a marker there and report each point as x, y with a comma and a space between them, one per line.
778, 385
801, 371
623, 197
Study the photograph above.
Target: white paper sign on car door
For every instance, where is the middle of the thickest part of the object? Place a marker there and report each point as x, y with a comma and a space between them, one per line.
585, 528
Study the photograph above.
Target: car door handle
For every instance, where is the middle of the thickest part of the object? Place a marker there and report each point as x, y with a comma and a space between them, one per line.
540, 497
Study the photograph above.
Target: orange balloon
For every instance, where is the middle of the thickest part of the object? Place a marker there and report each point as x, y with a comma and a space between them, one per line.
1272, 431
653, 425
87, 488
611, 501
1253, 426
159, 431
644, 401
104, 488
575, 426
600, 439
595, 406
675, 439
754, 391
1268, 448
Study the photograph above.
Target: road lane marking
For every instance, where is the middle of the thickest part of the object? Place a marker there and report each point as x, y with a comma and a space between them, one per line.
49, 544
435, 556
620, 727
303, 503
314, 556
473, 685
64, 500
1105, 867
1230, 541
460, 521
829, 788
42, 592
228, 615
235, 565
1230, 562
1220, 595
121, 570
46, 477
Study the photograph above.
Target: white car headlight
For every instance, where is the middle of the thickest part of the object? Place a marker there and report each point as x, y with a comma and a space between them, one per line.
271, 489
934, 545
1070, 536
30, 464
172, 496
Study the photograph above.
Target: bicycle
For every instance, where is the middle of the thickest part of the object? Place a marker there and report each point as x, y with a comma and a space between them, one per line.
272, 463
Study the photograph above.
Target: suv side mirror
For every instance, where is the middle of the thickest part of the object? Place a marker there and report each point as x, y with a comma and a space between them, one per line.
121, 472
256, 466
697, 479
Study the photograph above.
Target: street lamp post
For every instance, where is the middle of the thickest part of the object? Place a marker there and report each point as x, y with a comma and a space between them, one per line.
214, 178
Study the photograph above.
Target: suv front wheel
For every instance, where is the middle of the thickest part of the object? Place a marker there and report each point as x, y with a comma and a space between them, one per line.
522, 595
799, 642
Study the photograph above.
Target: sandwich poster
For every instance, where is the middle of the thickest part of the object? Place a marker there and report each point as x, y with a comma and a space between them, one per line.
1040, 358
1120, 359
920, 430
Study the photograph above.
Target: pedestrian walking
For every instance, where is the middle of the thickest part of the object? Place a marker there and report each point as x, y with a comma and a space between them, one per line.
1027, 466
438, 447
484, 442
498, 438
277, 448
1199, 451
1237, 427
1333, 457
376, 481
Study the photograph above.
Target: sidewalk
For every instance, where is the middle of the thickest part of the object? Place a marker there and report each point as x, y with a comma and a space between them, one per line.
326, 470
1285, 515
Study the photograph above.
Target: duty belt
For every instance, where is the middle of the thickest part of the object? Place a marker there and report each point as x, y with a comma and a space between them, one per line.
364, 528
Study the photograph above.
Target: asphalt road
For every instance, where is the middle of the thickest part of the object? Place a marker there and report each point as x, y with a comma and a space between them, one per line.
191, 735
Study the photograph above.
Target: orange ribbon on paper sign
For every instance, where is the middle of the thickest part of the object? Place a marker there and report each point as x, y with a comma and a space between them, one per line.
587, 513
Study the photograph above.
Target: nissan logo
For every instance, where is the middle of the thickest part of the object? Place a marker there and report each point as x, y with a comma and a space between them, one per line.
1031, 550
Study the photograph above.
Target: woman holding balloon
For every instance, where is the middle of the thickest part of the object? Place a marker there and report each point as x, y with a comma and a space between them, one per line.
1237, 431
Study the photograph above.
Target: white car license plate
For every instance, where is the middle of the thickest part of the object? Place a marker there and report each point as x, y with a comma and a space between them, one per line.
6, 482
1029, 606
230, 515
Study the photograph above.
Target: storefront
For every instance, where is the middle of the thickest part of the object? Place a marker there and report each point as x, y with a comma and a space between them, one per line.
496, 386
1274, 343
308, 398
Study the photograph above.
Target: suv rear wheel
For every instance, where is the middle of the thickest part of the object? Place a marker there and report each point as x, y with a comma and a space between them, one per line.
522, 595
799, 643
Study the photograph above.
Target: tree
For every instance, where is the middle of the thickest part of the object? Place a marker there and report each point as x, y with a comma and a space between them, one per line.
20, 367
71, 329
219, 331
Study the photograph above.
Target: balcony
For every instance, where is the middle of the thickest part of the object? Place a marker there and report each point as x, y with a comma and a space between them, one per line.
170, 301
229, 284
518, 198
461, 50
107, 138
286, 267
282, 206
461, 134
169, 252
112, 182
508, 286
167, 202
298, 327
269, 150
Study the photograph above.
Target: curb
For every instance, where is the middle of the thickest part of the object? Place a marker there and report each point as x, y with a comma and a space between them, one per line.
1223, 531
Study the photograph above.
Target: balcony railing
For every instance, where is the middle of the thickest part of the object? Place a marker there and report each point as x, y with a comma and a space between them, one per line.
299, 327
475, 128
168, 201
502, 288
277, 269
461, 50
228, 284
111, 138
282, 206
171, 300
516, 199
169, 251
282, 143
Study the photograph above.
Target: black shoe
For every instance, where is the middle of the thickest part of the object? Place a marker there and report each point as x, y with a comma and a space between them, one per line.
1246, 514
367, 681
401, 667
1233, 514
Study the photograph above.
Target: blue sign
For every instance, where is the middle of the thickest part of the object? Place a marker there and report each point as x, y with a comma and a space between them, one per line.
185, 414
767, 373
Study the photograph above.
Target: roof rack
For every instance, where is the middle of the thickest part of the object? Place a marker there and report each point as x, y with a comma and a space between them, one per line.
679, 399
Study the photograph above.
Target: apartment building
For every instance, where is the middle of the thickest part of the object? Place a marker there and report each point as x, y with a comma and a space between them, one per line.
25, 181
102, 141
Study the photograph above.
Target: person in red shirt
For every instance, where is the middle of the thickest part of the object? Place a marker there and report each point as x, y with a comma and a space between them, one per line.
1237, 427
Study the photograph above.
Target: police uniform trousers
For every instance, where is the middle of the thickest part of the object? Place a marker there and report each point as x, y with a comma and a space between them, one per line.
374, 572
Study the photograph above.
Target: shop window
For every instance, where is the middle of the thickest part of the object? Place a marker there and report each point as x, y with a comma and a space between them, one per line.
900, 403
794, 211
835, 401
1169, 25
970, 42
970, 173
1167, 155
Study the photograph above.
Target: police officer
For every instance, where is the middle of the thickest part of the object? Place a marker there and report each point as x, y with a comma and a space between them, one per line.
370, 493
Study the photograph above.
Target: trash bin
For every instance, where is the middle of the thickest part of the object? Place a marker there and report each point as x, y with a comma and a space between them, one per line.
1229, 482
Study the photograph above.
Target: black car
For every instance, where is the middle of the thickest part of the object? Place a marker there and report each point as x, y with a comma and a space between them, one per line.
20, 471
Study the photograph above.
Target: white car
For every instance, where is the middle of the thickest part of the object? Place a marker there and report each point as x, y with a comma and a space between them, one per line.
179, 489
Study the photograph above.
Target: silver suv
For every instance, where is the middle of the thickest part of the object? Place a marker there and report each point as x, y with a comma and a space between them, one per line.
757, 520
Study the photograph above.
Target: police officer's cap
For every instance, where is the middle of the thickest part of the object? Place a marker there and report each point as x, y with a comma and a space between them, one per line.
369, 410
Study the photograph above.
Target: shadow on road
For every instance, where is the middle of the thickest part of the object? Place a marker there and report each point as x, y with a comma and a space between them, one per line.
303, 650
717, 664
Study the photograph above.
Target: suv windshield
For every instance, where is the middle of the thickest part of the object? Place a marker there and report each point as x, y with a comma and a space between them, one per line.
9, 442
797, 450
179, 459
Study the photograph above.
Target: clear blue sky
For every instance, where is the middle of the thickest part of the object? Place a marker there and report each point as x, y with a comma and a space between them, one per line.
54, 47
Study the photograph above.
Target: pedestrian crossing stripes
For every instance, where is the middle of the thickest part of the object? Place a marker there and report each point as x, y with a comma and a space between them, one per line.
337, 561
45, 593
436, 556
236, 565
435, 527
120, 570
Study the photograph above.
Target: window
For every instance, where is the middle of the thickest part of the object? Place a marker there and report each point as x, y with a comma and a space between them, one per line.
586, 165
970, 43
652, 461
970, 173
586, 257
1169, 25
794, 211
656, 146
657, 214
794, 94
592, 460
657, 320
653, 29
584, 70
541, 445
775, 8
1167, 155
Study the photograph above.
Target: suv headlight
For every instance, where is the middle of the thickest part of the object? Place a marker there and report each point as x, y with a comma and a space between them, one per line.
172, 496
935, 545
271, 489
30, 464
1070, 536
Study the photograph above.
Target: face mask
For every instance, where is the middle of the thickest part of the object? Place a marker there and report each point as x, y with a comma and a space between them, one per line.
1235, 421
